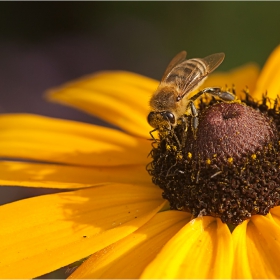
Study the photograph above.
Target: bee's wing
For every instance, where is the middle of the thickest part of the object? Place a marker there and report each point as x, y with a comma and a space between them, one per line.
213, 61
181, 56
210, 62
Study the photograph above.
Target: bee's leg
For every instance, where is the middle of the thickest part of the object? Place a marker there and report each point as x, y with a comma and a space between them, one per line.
184, 120
176, 138
193, 98
215, 91
186, 126
151, 133
194, 118
223, 95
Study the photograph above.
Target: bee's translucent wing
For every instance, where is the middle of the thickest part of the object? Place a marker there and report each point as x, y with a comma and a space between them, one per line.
181, 56
210, 63
213, 61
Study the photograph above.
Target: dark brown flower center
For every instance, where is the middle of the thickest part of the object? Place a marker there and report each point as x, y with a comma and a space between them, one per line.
231, 130
229, 170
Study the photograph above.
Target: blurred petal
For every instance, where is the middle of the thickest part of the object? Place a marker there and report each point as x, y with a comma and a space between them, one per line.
44, 233
67, 177
202, 249
262, 243
269, 78
121, 98
53, 140
128, 257
241, 77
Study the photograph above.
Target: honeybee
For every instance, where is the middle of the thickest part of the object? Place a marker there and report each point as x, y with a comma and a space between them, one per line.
181, 77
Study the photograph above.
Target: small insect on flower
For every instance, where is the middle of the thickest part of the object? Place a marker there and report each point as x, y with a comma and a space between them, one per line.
171, 100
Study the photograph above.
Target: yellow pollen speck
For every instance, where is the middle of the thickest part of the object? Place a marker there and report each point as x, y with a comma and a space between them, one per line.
253, 156
189, 155
168, 148
174, 148
256, 208
208, 161
215, 155
230, 160
179, 156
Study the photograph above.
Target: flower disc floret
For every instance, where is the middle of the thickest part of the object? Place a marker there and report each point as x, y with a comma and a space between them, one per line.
228, 168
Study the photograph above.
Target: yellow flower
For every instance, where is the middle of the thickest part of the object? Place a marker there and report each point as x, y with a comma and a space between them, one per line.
115, 214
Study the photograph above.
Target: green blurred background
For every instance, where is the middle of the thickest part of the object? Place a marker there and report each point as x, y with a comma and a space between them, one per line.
45, 44
141, 33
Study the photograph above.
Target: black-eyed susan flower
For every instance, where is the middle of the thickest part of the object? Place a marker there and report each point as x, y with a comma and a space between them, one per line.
115, 215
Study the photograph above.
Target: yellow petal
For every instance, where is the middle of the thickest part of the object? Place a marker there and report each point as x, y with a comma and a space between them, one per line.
241, 268
202, 249
63, 176
269, 78
241, 77
121, 98
44, 233
275, 213
128, 257
262, 246
53, 140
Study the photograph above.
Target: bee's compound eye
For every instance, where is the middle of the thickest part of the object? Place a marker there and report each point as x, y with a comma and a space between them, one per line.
170, 117
160, 119
152, 119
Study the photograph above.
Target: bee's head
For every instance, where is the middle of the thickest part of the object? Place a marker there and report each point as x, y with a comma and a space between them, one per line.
161, 119
163, 108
